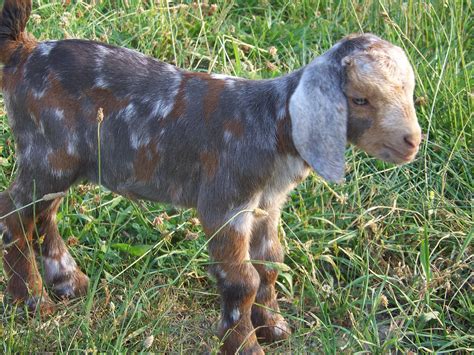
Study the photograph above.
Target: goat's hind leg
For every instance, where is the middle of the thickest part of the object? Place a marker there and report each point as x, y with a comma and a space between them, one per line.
24, 280
60, 272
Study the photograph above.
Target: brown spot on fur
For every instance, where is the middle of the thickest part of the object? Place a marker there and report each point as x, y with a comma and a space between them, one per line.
285, 143
211, 100
52, 244
229, 246
19, 267
10, 79
107, 100
14, 65
62, 161
14, 52
55, 97
146, 161
235, 127
19, 263
179, 107
210, 162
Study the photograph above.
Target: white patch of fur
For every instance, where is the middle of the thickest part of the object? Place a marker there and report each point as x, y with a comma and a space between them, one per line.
170, 68
266, 245
51, 267
41, 125
72, 144
135, 140
129, 113
243, 222
162, 108
38, 94
140, 57
282, 112
235, 315
281, 327
286, 171
58, 113
27, 139
228, 136
224, 77
54, 266
100, 83
223, 324
68, 264
278, 331
102, 51
282, 90
45, 48
221, 273
139, 139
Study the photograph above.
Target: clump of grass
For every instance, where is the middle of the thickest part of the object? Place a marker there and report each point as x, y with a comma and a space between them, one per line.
383, 263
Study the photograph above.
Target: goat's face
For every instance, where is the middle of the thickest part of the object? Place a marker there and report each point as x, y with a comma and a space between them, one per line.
381, 115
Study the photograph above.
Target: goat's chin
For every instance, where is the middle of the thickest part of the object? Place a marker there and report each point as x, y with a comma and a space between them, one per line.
389, 154
394, 156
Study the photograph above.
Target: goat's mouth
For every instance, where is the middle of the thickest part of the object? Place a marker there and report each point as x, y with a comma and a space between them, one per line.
396, 156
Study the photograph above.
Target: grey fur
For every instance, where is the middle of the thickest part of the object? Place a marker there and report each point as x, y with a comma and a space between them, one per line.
318, 110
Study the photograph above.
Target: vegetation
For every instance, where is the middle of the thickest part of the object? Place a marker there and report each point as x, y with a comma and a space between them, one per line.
383, 263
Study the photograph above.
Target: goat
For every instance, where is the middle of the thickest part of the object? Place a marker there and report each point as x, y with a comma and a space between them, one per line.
223, 145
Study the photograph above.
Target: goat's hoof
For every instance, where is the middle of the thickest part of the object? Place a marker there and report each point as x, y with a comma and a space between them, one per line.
254, 349
42, 305
275, 329
73, 286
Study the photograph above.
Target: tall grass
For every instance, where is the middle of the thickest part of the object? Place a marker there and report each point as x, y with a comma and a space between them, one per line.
383, 263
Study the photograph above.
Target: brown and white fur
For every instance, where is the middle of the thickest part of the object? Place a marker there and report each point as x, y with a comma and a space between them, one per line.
221, 145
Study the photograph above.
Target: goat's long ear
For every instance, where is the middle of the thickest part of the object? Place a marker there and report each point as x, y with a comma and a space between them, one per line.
318, 110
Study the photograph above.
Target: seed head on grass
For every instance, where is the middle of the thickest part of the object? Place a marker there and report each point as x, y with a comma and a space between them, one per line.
100, 115
148, 342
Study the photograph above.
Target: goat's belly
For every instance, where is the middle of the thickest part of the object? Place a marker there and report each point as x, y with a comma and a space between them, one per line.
157, 184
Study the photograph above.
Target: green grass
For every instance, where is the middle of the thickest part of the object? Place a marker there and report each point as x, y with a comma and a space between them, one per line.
383, 263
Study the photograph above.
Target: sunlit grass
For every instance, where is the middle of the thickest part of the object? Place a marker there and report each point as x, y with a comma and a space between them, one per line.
382, 263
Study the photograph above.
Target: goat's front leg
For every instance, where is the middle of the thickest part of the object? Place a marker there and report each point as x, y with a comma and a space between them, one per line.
265, 247
61, 273
237, 280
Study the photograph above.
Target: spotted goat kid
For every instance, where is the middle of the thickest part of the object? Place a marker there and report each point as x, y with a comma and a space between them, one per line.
219, 144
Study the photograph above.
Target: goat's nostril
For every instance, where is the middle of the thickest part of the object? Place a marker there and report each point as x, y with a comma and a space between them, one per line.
411, 141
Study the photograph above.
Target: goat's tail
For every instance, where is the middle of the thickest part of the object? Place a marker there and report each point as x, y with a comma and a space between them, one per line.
13, 19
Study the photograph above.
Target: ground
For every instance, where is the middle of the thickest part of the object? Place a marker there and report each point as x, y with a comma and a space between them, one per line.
382, 263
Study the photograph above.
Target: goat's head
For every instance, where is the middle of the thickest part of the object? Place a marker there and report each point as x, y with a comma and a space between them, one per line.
381, 114
360, 91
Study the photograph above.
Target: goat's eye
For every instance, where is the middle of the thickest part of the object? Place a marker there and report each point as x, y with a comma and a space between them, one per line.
360, 102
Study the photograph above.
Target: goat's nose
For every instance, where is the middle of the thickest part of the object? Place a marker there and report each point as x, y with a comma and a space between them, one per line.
412, 140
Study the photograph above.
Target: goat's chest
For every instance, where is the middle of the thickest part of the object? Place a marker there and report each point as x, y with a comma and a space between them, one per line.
288, 171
